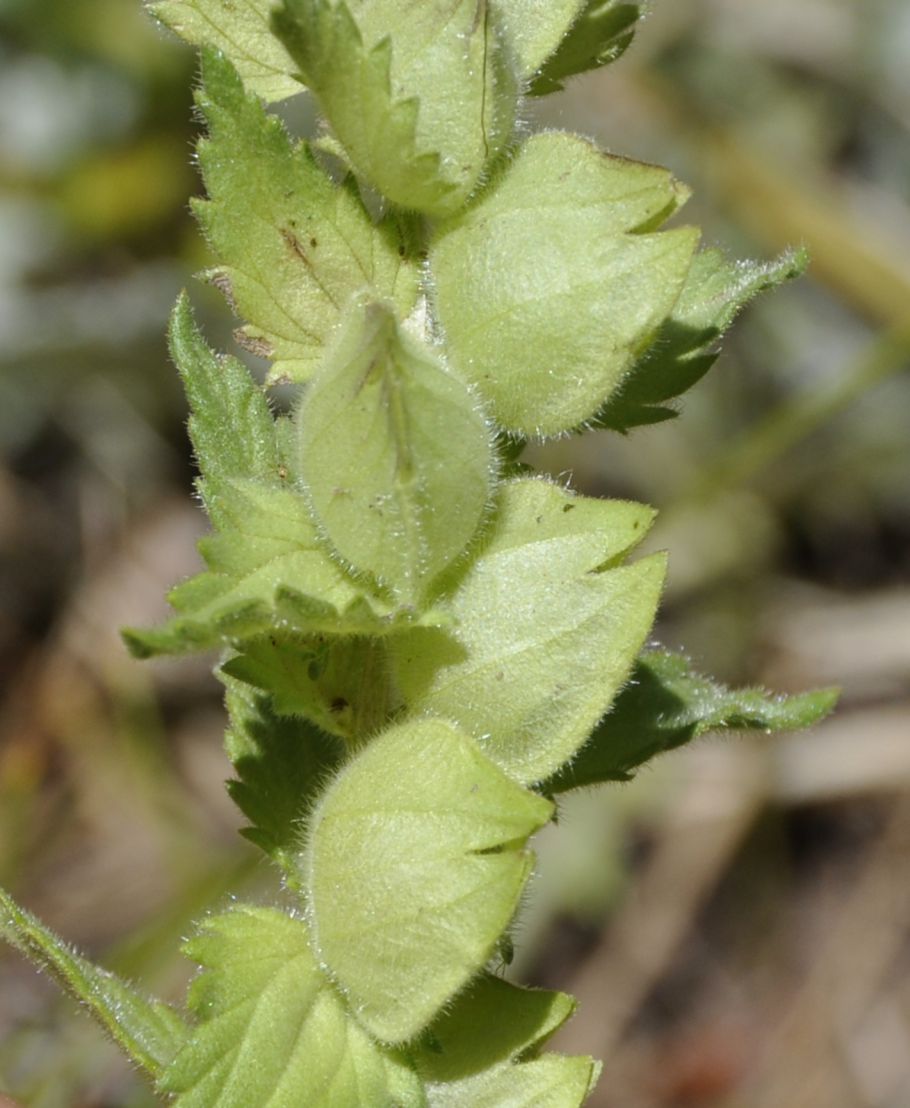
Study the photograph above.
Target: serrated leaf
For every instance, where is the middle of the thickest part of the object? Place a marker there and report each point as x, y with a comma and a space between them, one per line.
241, 29
281, 764
148, 1031
230, 425
268, 569
387, 435
666, 705
414, 865
547, 627
550, 286
273, 1030
602, 33
342, 685
685, 347
421, 96
534, 30
484, 1051
294, 247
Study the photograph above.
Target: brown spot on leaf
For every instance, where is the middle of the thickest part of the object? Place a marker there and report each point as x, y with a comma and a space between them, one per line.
255, 344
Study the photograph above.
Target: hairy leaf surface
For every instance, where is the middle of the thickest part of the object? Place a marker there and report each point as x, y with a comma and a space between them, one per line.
685, 347
395, 452
550, 286
421, 95
483, 1052
341, 684
148, 1031
281, 764
666, 705
268, 569
547, 628
294, 246
600, 35
534, 29
273, 1031
414, 866
239, 28
230, 425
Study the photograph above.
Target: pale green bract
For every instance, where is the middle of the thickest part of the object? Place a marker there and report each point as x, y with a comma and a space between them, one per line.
547, 628
294, 247
422, 96
387, 436
485, 1051
240, 28
551, 285
340, 684
273, 1030
269, 569
536, 28
414, 864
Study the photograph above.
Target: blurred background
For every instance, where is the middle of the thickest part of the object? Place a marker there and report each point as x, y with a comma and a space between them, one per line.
735, 922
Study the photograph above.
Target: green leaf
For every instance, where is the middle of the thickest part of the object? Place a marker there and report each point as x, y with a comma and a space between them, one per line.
534, 30
421, 95
483, 1051
685, 347
551, 285
294, 246
241, 29
414, 865
281, 764
547, 628
387, 436
343, 685
273, 1030
230, 425
269, 570
148, 1031
550, 1081
600, 35
666, 705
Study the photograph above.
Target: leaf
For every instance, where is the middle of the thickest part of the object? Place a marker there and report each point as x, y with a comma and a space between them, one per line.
550, 1081
148, 1031
601, 34
414, 865
342, 685
230, 425
273, 1031
294, 246
268, 570
666, 705
241, 29
267, 564
387, 436
420, 95
549, 287
534, 30
685, 347
547, 628
484, 1051
281, 765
